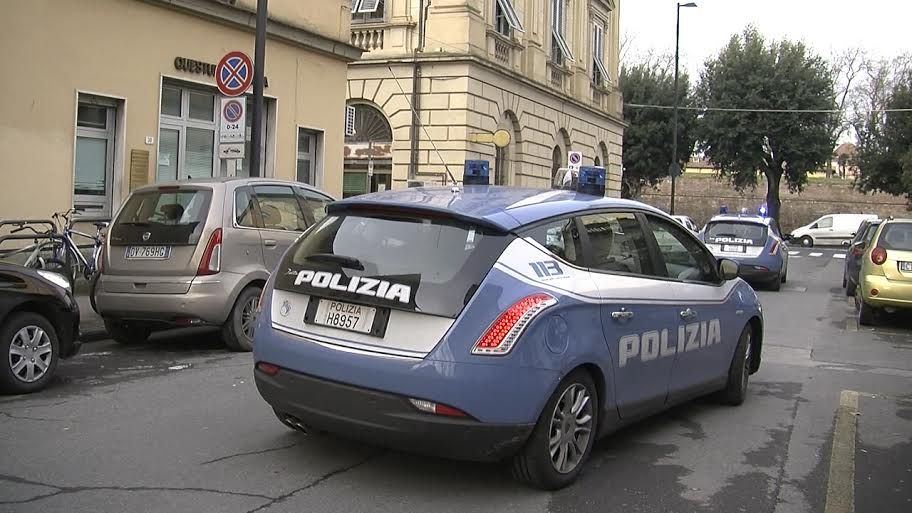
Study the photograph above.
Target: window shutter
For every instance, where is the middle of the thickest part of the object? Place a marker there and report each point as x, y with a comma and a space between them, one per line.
368, 6
510, 13
349, 120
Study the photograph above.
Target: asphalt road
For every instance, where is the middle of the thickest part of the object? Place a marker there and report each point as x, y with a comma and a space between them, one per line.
177, 425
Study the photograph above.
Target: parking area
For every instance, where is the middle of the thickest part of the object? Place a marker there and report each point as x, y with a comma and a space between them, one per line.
177, 425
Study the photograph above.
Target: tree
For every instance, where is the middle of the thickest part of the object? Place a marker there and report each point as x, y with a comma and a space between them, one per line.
885, 139
647, 139
750, 73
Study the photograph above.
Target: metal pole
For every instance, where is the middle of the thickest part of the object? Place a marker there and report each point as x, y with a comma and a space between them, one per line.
259, 64
674, 123
416, 92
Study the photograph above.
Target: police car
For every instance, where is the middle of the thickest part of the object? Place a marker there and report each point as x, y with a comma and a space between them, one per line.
486, 323
753, 241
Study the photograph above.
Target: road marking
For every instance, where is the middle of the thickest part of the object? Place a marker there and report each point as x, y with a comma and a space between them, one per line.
816, 254
840, 497
840, 255
794, 252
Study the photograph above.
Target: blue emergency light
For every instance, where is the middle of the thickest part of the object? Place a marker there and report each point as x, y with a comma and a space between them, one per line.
723, 209
476, 172
591, 180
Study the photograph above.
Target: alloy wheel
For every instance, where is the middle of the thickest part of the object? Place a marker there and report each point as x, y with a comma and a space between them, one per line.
30, 354
571, 428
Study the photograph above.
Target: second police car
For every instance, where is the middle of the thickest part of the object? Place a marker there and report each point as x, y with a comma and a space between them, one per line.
753, 241
492, 322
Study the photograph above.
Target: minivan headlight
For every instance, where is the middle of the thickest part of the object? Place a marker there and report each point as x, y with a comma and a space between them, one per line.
55, 278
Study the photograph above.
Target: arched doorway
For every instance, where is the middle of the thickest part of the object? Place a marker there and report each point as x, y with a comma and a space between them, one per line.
557, 161
505, 158
368, 153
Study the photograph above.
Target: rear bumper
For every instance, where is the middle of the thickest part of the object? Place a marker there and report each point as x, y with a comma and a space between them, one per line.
208, 301
890, 293
386, 419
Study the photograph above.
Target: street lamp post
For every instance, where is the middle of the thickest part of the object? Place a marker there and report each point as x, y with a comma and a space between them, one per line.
674, 123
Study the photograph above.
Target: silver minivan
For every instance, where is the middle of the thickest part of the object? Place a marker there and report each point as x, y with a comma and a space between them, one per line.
198, 252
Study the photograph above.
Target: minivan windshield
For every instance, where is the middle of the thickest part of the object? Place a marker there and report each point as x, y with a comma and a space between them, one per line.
896, 236
163, 216
751, 234
441, 261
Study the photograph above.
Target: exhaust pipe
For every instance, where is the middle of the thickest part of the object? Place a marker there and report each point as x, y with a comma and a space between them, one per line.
295, 423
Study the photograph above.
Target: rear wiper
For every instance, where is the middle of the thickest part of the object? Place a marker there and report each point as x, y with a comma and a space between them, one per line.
344, 261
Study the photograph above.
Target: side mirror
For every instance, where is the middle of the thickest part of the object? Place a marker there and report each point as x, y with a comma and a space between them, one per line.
729, 269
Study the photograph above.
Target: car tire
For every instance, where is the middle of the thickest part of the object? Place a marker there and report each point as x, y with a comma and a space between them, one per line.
735, 390
867, 314
785, 274
776, 284
806, 241
534, 464
237, 332
23, 355
127, 333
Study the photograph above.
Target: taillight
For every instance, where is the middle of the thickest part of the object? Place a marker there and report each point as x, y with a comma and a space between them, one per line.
503, 333
879, 255
774, 248
211, 263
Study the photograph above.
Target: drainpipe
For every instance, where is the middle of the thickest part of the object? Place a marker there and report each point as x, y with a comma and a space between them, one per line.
416, 90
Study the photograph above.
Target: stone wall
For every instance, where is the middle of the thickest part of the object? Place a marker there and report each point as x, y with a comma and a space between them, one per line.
700, 196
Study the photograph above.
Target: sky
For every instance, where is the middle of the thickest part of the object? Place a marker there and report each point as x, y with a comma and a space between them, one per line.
882, 27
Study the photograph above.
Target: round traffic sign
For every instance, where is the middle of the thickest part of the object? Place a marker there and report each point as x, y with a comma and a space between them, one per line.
232, 111
575, 157
234, 73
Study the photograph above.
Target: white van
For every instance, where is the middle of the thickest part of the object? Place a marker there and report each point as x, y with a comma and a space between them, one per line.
830, 229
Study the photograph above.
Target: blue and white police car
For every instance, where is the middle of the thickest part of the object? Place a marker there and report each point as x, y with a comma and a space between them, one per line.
486, 323
754, 241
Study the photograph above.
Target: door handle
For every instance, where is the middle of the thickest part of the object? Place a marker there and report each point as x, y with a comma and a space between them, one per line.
688, 314
622, 315
269, 243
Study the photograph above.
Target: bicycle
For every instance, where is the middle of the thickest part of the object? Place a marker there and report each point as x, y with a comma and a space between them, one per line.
42, 253
68, 251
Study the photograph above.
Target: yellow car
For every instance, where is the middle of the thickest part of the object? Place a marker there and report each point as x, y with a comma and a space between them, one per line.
885, 280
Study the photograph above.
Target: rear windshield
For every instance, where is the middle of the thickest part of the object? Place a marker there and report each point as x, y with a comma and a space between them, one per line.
168, 217
427, 265
733, 232
896, 236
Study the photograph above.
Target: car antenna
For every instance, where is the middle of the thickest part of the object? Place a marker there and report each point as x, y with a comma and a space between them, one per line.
417, 119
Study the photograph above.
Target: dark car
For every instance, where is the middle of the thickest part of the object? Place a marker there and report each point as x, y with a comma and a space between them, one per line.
39, 324
859, 244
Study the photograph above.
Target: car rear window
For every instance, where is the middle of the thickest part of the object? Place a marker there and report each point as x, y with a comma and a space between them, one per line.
407, 262
896, 236
167, 216
733, 232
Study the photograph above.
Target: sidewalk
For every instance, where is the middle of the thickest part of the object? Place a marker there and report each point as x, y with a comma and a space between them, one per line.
91, 326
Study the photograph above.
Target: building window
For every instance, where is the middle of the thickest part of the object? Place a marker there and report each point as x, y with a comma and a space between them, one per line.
560, 50
186, 138
307, 161
505, 18
94, 155
367, 11
188, 135
599, 71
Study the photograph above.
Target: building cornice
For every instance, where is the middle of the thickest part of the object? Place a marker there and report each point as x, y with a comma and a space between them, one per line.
232, 16
474, 59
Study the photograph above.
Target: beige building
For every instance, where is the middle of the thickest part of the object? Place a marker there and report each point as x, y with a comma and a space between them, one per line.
105, 95
544, 70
